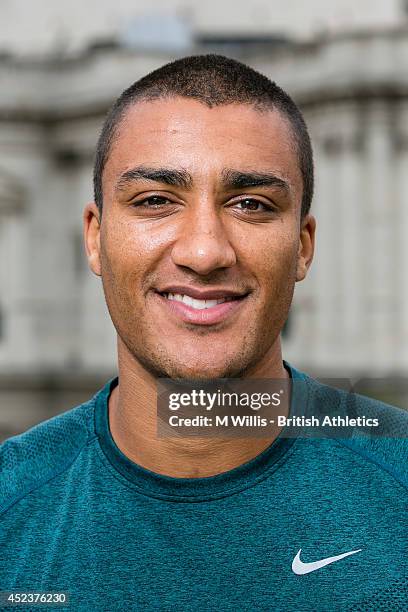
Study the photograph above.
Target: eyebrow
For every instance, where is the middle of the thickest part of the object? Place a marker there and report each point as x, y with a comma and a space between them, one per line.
175, 178
235, 179
231, 179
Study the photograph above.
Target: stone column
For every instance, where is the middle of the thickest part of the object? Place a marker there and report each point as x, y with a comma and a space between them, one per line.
15, 324
378, 264
399, 322
348, 281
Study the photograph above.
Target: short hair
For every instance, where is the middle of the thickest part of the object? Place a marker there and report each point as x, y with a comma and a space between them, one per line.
213, 80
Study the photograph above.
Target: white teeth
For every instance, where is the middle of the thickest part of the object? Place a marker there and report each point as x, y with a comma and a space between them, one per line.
193, 302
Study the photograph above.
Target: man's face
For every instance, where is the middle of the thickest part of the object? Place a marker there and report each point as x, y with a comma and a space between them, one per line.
201, 239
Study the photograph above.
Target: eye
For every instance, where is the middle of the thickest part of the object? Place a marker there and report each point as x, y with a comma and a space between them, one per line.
152, 202
253, 205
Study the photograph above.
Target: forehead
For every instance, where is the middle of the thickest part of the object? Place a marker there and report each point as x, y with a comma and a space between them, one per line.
185, 133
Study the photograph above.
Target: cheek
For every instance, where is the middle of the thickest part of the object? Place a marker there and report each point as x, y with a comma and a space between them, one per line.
273, 258
131, 252
124, 248
129, 240
121, 257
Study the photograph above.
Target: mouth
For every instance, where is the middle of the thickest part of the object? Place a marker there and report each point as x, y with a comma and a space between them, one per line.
206, 311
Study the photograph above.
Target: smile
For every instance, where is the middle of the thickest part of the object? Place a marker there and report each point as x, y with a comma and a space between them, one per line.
197, 311
195, 303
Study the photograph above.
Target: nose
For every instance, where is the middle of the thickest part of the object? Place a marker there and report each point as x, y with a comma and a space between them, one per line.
203, 244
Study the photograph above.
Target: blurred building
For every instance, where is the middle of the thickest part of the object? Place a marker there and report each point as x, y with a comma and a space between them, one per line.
349, 318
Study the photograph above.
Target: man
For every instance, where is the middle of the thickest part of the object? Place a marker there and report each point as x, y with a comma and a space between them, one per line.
199, 230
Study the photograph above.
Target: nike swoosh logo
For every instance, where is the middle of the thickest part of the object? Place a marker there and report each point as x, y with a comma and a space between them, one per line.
300, 568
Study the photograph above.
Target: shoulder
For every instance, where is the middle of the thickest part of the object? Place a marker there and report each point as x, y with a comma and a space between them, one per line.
31, 459
385, 446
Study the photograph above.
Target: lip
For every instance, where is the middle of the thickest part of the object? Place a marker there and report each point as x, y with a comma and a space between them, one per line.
208, 294
206, 316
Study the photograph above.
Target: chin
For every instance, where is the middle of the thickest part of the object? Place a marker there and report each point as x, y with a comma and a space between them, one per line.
180, 371
172, 368
164, 362
206, 371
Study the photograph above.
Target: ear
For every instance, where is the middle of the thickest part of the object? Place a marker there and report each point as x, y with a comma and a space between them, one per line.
92, 237
306, 246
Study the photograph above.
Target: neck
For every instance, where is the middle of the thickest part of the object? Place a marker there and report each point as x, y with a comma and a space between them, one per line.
133, 424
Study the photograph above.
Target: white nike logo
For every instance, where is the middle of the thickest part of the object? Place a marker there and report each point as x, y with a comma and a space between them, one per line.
300, 568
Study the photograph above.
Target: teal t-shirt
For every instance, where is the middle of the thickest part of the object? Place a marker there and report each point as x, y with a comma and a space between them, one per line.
77, 516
